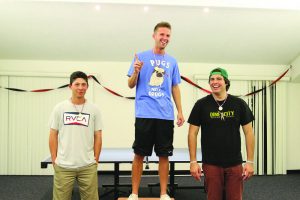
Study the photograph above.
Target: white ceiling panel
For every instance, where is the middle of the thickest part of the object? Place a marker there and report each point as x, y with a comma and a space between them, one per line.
114, 31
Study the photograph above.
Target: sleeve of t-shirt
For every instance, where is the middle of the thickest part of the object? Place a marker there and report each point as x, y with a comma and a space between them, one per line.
54, 119
195, 115
246, 115
131, 69
98, 119
176, 75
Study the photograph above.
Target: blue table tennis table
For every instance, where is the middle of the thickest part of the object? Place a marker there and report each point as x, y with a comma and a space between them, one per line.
118, 156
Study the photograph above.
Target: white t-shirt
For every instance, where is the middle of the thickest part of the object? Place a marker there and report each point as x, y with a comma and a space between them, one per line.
75, 133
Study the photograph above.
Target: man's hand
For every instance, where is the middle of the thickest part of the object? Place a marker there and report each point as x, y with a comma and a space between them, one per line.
248, 171
180, 119
195, 170
137, 64
97, 161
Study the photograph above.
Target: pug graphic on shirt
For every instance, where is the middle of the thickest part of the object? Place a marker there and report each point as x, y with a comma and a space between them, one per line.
157, 77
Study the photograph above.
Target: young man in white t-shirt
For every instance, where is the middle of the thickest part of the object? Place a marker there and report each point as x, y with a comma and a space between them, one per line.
75, 142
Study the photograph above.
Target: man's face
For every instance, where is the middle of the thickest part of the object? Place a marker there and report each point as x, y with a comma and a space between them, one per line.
217, 84
162, 37
79, 88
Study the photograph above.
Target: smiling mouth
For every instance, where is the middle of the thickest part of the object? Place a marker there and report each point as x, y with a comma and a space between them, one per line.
163, 42
216, 87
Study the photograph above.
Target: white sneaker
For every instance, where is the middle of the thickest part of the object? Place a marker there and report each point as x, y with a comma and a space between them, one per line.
165, 197
133, 197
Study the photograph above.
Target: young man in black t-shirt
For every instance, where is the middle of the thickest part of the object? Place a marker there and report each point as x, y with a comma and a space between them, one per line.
220, 116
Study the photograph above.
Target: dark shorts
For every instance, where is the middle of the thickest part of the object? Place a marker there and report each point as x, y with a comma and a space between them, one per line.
155, 133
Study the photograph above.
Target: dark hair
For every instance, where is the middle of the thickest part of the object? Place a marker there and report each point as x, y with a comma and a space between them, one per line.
78, 74
162, 24
224, 74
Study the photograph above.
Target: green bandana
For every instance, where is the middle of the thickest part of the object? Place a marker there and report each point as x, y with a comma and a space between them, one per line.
219, 71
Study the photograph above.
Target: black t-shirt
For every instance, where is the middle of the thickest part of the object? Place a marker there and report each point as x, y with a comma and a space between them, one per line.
220, 130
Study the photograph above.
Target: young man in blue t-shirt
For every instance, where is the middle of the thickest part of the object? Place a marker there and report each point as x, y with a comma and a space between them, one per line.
156, 77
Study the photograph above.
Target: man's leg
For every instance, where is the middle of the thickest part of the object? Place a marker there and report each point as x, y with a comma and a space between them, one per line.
63, 183
163, 149
234, 182
142, 145
137, 170
214, 181
163, 174
88, 182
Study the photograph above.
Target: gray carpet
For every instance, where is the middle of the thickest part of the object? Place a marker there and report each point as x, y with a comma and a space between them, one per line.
280, 187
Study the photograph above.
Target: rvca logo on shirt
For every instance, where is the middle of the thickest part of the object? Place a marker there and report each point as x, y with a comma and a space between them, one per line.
74, 118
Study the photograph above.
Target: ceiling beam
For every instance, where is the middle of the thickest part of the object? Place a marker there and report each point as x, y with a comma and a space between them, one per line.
260, 4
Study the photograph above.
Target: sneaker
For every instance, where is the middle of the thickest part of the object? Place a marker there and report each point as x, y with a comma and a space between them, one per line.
133, 197
165, 197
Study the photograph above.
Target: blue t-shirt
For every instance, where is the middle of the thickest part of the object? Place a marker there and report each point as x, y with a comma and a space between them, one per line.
154, 86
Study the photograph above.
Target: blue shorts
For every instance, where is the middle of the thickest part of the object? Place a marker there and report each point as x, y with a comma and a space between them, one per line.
157, 133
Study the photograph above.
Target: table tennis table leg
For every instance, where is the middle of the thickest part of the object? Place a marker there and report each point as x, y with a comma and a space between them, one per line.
116, 180
172, 179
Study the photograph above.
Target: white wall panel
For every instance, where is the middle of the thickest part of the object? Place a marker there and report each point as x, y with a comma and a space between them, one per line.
281, 128
28, 122
271, 134
3, 125
293, 131
258, 127
118, 117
